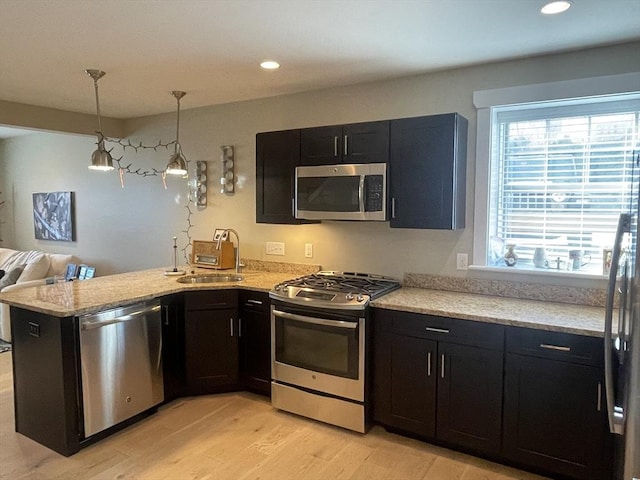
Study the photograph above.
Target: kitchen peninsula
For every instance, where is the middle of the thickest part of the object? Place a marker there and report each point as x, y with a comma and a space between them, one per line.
504, 333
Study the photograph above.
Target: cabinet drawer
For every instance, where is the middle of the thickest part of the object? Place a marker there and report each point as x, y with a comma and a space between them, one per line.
210, 299
555, 345
464, 332
254, 300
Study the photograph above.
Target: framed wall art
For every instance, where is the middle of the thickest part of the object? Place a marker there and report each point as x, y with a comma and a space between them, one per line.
53, 216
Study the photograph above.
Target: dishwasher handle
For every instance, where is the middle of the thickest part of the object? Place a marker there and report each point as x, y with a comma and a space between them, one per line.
88, 324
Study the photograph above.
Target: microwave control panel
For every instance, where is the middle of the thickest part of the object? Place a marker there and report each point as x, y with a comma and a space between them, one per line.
374, 192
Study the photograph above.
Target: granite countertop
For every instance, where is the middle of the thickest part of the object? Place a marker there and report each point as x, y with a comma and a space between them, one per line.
553, 316
89, 296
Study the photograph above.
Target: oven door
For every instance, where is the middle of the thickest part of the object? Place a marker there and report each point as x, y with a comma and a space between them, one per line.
318, 350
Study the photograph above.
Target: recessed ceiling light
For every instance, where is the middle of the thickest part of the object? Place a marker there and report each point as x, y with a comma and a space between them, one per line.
552, 8
270, 65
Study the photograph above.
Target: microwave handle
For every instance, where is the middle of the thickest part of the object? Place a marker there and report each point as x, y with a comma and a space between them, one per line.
361, 193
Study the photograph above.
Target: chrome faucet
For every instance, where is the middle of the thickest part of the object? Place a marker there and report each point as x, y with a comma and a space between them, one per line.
227, 231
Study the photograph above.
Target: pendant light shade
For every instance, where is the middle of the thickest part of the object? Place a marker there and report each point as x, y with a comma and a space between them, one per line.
100, 159
177, 164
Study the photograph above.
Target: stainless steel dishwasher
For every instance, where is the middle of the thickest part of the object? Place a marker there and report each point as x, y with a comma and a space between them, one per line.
121, 362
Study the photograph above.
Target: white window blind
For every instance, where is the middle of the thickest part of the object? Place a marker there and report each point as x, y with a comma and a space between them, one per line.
561, 173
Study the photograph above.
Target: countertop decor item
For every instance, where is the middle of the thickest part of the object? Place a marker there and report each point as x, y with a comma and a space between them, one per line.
510, 257
175, 271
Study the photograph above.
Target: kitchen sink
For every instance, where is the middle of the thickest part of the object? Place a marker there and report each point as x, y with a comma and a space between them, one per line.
211, 278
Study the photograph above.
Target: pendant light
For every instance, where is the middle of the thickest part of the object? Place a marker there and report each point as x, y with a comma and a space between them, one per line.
100, 159
177, 164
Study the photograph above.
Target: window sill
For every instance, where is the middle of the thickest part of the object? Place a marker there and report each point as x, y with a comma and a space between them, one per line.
542, 272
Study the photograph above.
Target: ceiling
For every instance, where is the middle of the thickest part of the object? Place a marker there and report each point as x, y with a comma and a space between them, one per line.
211, 48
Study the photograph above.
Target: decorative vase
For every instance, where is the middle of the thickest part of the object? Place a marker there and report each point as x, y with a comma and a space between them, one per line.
510, 257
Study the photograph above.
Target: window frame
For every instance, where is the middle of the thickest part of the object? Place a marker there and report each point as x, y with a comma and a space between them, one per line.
484, 100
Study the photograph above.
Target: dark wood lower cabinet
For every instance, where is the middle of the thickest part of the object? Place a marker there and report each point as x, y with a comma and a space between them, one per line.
470, 397
211, 341
173, 344
255, 342
554, 417
411, 400
435, 389
46, 379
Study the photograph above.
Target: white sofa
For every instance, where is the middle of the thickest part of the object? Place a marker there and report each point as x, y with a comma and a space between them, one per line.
27, 269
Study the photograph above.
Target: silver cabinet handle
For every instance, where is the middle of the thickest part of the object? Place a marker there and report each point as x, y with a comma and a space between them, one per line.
393, 207
256, 302
231, 325
599, 401
335, 146
346, 150
429, 364
555, 347
293, 207
442, 366
239, 327
436, 330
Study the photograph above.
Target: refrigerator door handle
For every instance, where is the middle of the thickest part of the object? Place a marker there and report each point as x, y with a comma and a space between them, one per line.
614, 413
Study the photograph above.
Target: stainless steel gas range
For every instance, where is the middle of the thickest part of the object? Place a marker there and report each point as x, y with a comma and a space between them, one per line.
319, 338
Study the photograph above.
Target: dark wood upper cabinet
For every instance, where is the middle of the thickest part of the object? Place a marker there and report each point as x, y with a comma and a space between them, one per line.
352, 143
427, 170
277, 156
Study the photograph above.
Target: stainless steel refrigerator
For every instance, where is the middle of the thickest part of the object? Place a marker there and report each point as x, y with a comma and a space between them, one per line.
622, 340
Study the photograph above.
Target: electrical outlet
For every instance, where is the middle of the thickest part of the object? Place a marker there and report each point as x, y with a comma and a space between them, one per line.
308, 250
462, 261
274, 248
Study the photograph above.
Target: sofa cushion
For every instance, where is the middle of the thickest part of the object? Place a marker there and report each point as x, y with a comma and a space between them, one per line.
59, 263
36, 268
11, 277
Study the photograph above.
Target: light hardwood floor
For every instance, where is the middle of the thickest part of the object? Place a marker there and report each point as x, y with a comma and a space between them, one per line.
236, 437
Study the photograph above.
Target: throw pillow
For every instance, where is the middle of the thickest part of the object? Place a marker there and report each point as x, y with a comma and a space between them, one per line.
36, 268
11, 277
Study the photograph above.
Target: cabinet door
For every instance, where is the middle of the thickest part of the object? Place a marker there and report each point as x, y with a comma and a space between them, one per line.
211, 344
365, 142
321, 145
470, 396
554, 416
255, 342
413, 383
428, 172
277, 156
173, 367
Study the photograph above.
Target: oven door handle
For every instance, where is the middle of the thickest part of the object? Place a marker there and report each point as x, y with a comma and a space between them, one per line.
316, 321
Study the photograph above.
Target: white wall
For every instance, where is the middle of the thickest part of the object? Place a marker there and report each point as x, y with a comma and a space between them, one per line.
126, 229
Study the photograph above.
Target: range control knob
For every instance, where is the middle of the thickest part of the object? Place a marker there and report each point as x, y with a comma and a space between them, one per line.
349, 296
277, 288
360, 298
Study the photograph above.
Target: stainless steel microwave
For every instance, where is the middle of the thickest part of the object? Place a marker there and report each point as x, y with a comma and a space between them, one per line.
341, 192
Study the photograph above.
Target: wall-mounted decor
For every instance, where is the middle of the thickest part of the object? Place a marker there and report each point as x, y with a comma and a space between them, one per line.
53, 216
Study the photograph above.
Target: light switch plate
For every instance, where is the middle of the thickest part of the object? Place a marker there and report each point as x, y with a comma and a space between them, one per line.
308, 250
